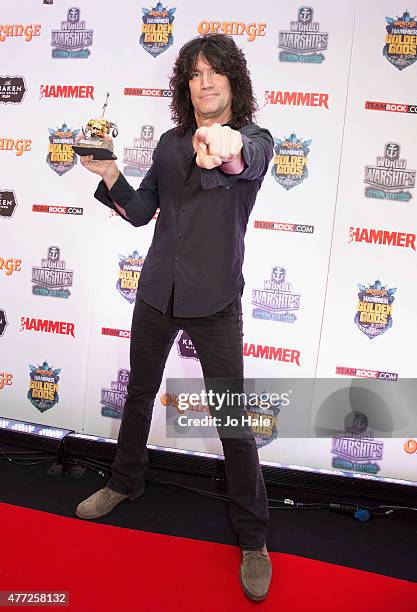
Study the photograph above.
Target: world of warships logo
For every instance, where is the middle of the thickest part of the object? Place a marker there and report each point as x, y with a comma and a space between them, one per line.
303, 42
52, 278
276, 301
138, 159
390, 179
357, 450
113, 399
73, 39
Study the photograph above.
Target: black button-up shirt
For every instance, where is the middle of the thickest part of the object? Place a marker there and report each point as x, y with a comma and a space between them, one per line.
198, 243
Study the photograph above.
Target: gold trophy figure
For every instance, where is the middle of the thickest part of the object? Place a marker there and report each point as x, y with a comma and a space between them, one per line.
95, 140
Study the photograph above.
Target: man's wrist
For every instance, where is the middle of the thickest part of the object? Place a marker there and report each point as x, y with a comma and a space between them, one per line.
234, 166
111, 176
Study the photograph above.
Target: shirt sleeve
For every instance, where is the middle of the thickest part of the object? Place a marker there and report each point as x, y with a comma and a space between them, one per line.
257, 151
141, 204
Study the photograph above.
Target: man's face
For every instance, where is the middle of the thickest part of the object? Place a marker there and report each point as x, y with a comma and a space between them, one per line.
211, 94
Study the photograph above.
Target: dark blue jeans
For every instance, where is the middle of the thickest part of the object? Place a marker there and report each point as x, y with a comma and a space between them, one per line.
218, 342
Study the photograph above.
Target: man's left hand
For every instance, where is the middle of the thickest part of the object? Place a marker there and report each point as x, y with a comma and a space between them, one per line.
215, 145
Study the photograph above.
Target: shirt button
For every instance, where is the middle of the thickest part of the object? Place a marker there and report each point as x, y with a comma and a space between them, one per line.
180, 235
177, 258
182, 207
187, 182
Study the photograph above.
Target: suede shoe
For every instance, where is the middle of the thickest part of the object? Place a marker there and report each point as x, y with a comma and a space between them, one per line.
102, 502
255, 573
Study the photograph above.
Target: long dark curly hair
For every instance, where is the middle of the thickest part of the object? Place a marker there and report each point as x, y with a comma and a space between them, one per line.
222, 53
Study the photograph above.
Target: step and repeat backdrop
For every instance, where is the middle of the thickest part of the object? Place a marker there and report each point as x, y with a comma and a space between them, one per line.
331, 280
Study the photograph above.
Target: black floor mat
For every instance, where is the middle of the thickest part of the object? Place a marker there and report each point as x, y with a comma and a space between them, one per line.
384, 545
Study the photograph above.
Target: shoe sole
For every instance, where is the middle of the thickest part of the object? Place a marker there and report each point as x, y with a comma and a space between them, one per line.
94, 516
251, 595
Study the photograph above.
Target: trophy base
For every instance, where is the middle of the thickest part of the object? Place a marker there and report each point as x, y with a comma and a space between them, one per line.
96, 152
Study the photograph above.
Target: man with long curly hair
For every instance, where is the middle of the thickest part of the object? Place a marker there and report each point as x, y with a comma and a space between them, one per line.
204, 179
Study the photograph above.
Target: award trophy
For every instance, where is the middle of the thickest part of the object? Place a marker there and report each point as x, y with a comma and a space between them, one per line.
95, 141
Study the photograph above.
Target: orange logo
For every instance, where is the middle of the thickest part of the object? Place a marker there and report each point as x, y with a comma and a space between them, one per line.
168, 399
410, 446
20, 145
10, 265
5, 379
28, 31
233, 28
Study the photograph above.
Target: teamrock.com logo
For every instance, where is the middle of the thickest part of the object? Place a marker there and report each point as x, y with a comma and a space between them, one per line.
146, 92
366, 373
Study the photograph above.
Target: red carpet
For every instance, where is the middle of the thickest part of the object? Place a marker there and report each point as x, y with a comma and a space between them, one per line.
107, 568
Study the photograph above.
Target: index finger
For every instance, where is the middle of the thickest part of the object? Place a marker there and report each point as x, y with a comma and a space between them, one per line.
202, 135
